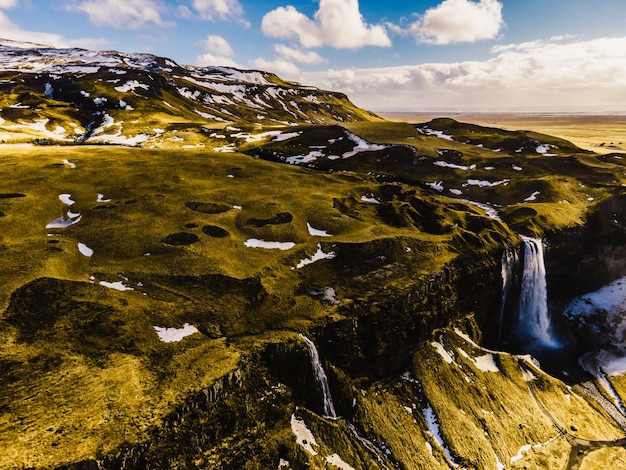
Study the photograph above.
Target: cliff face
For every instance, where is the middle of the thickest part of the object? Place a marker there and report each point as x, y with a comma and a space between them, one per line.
584, 258
246, 417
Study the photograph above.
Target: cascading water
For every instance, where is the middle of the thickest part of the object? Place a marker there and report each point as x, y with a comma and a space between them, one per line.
525, 296
510, 262
321, 381
534, 317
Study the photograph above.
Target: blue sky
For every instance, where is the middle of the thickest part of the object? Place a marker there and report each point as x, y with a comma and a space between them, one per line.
423, 55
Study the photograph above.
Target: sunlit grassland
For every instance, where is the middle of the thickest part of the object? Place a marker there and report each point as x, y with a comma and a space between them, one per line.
172, 224
90, 352
599, 133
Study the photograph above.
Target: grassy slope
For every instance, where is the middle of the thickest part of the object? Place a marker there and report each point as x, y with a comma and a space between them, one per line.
136, 379
148, 190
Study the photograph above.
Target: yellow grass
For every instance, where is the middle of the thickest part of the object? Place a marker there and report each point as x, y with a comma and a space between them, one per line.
599, 133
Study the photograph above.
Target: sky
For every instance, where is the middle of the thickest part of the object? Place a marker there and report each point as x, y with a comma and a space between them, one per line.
389, 55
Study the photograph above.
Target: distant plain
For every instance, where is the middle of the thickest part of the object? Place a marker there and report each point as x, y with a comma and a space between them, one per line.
601, 133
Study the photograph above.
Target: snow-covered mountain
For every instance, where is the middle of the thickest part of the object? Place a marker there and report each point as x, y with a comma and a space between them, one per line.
78, 95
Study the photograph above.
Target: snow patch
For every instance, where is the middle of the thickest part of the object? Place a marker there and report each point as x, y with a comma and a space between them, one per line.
544, 149
119, 285
257, 243
438, 186
361, 146
318, 256
308, 158
443, 164
435, 432
173, 335
85, 250
66, 199
371, 200
486, 363
436, 133
442, 352
131, 85
533, 196
286, 136
316, 232
484, 183
304, 436
338, 462
64, 222
520, 453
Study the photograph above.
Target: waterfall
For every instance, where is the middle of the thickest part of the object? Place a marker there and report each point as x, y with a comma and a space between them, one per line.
524, 305
321, 381
534, 318
510, 263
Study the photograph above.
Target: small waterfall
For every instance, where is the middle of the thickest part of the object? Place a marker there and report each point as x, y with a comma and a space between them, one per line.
534, 318
510, 263
328, 408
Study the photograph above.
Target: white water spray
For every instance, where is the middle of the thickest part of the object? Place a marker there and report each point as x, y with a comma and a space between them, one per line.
328, 408
534, 318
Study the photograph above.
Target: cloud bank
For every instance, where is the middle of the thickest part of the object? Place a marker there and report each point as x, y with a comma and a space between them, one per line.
538, 75
9, 30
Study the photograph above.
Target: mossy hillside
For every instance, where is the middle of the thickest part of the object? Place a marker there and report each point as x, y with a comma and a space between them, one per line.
391, 259
507, 179
481, 412
509, 141
98, 335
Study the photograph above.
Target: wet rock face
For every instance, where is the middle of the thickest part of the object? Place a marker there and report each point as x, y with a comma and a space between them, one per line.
583, 259
378, 338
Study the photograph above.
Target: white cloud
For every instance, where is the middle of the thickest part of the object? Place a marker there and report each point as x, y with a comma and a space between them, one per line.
218, 52
279, 66
337, 23
459, 21
9, 30
121, 14
8, 3
212, 10
539, 75
298, 55
214, 60
218, 45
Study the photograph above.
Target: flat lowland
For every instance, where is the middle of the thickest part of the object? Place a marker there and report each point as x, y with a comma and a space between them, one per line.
601, 133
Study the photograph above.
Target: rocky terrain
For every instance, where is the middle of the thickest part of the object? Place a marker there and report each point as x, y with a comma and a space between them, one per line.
214, 268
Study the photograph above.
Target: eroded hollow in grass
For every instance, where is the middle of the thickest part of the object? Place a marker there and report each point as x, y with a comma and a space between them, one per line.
207, 207
215, 231
181, 238
280, 218
11, 195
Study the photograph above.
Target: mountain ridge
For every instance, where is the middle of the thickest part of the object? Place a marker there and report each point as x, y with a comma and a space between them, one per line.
82, 96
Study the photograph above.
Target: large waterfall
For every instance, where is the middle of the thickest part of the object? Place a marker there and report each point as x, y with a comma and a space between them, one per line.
530, 307
321, 381
533, 304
